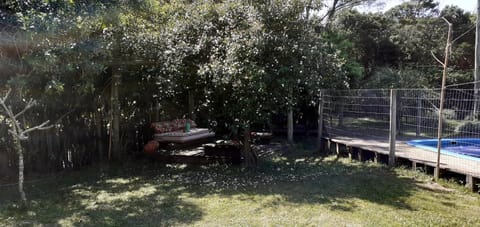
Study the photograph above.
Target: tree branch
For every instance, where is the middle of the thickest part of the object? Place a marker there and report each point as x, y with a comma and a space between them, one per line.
29, 105
17, 131
38, 127
6, 96
448, 22
64, 115
435, 57
19, 137
6, 108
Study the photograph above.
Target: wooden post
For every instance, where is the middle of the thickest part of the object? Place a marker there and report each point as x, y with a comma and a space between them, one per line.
360, 155
350, 153
337, 146
436, 173
340, 113
97, 115
418, 130
320, 124
472, 183
114, 146
442, 99
290, 125
393, 127
329, 146
476, 85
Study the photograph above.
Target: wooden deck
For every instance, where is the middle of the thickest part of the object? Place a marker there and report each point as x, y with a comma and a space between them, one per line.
379, 146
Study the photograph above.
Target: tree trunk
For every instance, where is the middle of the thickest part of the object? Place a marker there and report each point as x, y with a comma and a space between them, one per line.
191, 105
21, 167
442, 99
250, 155
332, 11
98, 134
115, 150
290, 125
157, 111
307, 9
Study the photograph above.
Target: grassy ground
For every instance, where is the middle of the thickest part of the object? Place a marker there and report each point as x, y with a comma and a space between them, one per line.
296, 188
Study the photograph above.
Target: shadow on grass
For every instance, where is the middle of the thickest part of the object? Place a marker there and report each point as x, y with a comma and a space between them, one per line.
114, 199
333, 183
146, 193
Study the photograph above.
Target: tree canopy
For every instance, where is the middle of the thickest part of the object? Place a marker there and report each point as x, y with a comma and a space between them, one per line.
229, 63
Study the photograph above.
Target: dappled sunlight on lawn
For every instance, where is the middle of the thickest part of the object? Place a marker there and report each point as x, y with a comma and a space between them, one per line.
105, 197
293, 188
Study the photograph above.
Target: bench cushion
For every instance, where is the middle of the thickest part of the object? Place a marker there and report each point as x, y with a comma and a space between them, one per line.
171, 126
182, 137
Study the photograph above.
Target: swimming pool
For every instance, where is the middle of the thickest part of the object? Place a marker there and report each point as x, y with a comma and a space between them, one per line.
467, 148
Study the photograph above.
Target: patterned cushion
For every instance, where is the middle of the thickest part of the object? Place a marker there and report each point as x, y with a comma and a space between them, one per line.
194, 131
170, 126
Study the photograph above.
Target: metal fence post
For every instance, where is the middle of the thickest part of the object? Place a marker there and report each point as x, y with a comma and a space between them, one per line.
393, 127
320, 123
418, 128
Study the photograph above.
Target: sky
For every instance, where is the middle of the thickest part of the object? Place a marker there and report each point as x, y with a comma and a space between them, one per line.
467, 5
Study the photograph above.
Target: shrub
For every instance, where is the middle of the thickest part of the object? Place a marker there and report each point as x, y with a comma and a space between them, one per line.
430, 119
448, 114
468, 128
472, 117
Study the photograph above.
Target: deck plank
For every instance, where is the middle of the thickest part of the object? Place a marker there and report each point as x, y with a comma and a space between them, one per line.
418, 155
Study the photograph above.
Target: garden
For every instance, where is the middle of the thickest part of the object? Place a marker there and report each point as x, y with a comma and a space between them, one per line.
291, 187
97, 99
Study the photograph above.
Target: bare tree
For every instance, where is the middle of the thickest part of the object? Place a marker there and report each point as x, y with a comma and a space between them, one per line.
19, 134
448, 48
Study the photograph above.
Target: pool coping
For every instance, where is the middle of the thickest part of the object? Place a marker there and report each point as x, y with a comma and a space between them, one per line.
434, 149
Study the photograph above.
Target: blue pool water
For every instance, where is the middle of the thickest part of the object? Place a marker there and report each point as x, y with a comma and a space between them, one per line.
468, 148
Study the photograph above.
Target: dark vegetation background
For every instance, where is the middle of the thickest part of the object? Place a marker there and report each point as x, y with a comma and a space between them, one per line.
227, 64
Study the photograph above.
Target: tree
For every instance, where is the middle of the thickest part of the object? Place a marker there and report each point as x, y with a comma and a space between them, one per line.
236, 81
339, 5
411, 11
20, 133
368, 43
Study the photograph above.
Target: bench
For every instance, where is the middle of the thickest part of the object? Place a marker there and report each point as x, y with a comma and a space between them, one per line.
176, 133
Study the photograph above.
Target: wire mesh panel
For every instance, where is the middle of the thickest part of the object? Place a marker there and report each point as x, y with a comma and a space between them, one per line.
419, 113
367, 111
363, 116
357, 112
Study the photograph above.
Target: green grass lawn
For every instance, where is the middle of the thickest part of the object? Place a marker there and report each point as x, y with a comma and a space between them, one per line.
294, 189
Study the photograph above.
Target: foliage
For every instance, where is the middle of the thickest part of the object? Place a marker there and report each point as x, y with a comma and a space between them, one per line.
241, 61
468, 128
388, 78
